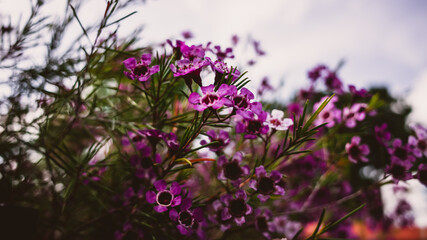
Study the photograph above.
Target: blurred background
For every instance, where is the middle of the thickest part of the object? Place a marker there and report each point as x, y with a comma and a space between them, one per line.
382, 43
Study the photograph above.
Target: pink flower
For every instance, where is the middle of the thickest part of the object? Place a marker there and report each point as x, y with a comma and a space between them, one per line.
210, 98
276, 120
357, 152
140, 70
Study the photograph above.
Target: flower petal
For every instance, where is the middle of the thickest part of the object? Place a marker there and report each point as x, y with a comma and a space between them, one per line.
160, 185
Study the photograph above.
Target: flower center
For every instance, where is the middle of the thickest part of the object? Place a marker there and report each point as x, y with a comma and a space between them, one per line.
210, 98
326, 115
254, 126
146, 162
422, 145
232, 170
237, 207
275, 122
164, 198
397, 171
265, 186
401, 153
354, 151
261, 224
186, 218
240, 101
140, 70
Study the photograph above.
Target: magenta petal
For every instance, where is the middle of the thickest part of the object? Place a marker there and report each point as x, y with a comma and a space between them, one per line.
260, 171
150, 196
207, 89
183, 230
199, 108
247, 93
225, 215
252, 184
160, 209
173, 215
154, 69
146, 59
175, 188
240, 221
223, 90
240, 127
276, 176
194, 98
241, 194
160, 185
263, 198
130, 63
186, 204
176, 201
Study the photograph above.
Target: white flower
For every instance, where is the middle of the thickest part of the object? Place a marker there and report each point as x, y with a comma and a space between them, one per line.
276, 121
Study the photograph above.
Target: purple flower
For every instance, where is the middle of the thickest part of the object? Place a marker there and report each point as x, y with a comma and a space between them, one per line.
221, 55
210, 98
399, 169
171, 141
188, 219
257, 48
222, 140
94, 174
240, 101
193, 52
140, 70
381, 134
316, 72
265, 86
176, 48
236, 207
332, 82
232, 169
330, 114
422, 173
295, 108
135, 139
253, 121
143, 164
165, 197
357, 112
263, 222
267, 184
187, 34
276, 120
283, 225
234, 40
189, 70
400, 152
418, 146
220, 68
356, 152
362, 93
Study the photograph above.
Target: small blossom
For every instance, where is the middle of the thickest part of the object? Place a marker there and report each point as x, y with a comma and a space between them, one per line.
234, 40
236, 207
316, 72
222, 55
187, 34
356, 152
267, 184
231, 169
265, 86
210, 98
357, 112
189, 70
330, 114
240, 100
220, 68
253, 121
400, 152
422, 173
263, 222
187, 219
165, 197
381, 134
222, 139
399, 169
193, 52
276, 120
140, 71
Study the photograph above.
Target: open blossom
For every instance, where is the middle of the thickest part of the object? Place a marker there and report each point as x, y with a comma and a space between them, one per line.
356, 151
401, 152
220, 68
267, 184
276, 120
263, 222
188, 219
189, 70
210, 98
330, 114
253, 121
422, 173
222, 139
232, 169
221, 55
241, 100
192, 52
140, 71
165, 197
357, 112
236, 207
381, 134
